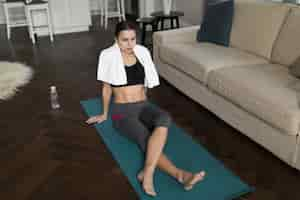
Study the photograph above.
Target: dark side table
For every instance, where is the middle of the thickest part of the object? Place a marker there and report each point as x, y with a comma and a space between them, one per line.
161, 17
145, 21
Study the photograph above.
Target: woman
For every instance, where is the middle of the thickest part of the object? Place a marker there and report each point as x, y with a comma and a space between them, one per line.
126, 70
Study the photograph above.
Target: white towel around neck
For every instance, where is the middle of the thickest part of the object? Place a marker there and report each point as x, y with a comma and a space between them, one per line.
111, 68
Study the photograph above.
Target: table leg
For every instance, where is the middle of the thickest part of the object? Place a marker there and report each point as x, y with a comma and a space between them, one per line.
162, 24
177, 21
172, 22
154, 26
144, 33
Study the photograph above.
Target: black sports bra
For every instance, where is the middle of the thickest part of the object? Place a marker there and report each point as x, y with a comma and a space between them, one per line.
135, 74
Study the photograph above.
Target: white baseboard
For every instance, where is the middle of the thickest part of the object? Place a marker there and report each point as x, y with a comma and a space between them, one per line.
184, 23
72, 29
44, 31
95, 12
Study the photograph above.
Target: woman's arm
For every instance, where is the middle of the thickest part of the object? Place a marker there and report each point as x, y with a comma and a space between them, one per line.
106, 95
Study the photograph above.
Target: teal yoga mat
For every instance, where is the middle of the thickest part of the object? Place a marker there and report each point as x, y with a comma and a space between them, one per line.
219, 184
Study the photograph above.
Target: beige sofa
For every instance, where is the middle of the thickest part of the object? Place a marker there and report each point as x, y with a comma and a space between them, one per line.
248, 84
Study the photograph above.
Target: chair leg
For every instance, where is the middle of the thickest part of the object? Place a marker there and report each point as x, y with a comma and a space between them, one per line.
172, 22
8, 31
162, 24
49, 25
123, 9
177, 22
154, 26
31, 31
101, 5
6, 13
119, 10
105, 13
32, 37
144, 33
28, 27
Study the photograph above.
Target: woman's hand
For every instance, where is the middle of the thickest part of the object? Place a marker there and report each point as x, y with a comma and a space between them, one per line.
96, 119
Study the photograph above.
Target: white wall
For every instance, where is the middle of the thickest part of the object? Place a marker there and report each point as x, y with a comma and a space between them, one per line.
95, 6
128, 6
192, 10
2, 19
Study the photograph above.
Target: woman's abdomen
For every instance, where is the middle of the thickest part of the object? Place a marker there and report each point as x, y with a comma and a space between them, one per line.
134, 93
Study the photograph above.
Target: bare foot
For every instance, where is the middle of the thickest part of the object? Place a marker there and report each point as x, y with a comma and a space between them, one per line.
147, 181
186, 178
189, 180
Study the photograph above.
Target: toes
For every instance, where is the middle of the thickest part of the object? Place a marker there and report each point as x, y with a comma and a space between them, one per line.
187, 188
198, 177
195, 179
202, 173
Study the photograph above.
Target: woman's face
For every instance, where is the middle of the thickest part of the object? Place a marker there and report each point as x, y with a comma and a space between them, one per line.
127, 40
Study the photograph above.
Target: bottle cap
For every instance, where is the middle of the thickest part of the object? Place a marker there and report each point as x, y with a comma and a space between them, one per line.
52, 88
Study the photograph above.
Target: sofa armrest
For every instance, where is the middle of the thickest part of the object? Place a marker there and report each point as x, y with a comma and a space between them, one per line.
181, 35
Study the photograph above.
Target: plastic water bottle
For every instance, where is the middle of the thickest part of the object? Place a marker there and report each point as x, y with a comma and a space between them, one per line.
54, 98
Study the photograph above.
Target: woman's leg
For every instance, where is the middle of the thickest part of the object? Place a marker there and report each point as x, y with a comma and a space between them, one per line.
138, 132
154, 116
155, 146
188, 179
165, 165
135, 130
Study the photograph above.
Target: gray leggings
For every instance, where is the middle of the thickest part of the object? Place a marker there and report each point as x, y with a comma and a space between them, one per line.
137, 120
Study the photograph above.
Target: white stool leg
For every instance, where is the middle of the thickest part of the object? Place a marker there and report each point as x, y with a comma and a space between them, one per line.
105, 13
6, 12
8, 31
49, 24
29, 31
119, 10
27, 21
101, 5
30, 24
123, 9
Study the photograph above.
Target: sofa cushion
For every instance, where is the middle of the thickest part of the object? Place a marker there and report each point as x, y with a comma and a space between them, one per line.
198, 59
256, 25
216, 23
267, 91
287, 46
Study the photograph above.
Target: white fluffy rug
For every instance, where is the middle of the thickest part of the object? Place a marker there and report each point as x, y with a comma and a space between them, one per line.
12, 76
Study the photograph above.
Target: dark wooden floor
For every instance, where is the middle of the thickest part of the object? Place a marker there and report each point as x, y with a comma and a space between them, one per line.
55, 155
